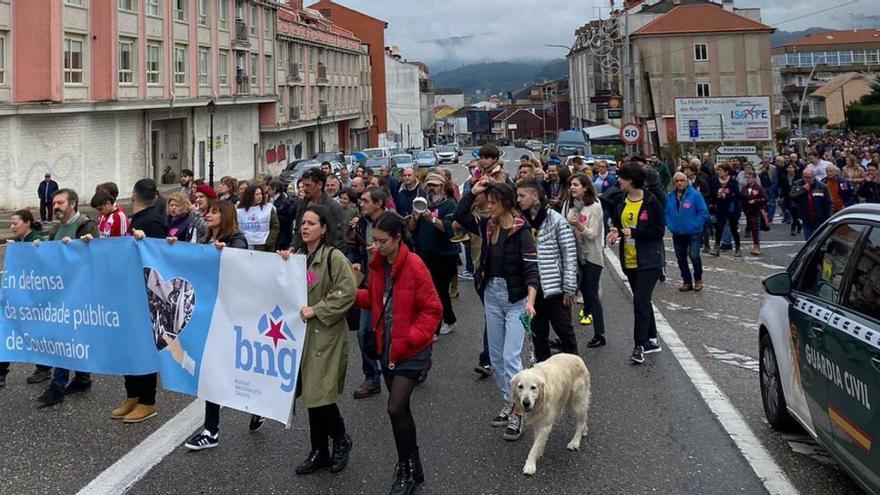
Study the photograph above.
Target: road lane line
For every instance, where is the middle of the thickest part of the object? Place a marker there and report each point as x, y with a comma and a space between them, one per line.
764, 466
134, 465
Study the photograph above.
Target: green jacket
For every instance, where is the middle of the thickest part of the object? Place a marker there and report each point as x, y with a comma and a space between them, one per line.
34, 236
325, 351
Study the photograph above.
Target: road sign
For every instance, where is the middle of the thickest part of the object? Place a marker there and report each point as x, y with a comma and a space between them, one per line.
614, 113
694, 129
631, 133
732, 119
736, 150
511, 127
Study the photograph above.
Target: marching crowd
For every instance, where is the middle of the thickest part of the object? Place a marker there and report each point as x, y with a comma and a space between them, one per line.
386, 253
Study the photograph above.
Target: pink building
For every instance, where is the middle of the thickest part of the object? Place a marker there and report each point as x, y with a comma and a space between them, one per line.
97, 90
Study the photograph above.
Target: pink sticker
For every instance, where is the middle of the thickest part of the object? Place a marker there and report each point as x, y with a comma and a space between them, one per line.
686, 205
435, 214
582, 218
311, 277
643, 217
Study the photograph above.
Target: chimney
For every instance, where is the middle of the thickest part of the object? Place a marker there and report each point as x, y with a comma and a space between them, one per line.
727, 5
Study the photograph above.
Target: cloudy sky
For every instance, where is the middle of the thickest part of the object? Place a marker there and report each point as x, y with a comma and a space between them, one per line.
444, 31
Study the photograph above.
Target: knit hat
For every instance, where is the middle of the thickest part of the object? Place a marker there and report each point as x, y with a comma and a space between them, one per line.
207, 190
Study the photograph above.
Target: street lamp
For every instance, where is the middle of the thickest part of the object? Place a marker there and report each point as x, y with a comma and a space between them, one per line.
211, 108
804, 98
320, 134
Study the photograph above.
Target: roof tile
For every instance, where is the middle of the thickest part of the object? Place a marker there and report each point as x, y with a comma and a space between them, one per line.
695, 19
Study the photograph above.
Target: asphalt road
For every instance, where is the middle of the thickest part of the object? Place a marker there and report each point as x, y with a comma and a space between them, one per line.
650, 430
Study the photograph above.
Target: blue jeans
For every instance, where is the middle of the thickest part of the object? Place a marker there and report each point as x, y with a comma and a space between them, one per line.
726, 237
468, 258
505, 334
61, 376
688, 246
370, 367
772, 195
809, 228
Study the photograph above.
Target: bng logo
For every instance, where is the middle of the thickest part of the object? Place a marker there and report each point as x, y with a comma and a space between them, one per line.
264, 356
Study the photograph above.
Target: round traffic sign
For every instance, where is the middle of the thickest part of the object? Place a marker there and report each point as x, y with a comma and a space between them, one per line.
631, 133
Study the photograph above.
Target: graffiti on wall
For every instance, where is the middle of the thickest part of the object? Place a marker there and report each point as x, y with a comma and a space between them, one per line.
27, 176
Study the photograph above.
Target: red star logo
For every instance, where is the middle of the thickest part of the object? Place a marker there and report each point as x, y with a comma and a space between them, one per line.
274, 332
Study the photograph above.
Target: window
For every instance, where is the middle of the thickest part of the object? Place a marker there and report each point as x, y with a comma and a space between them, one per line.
268, 72
203, 66
2, 59
180, 64
703, 90
73, 60
154, 52
253, 20
223, 71
267, 23
203, 12
223, 7
864, 292
78, 3
254, 66
129, 5
180, 10
153, 8
701, 52
823, 273
126, 64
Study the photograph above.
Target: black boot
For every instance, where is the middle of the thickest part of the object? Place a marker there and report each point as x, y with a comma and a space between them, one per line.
317, 459
403, 483
415, 464
339, 457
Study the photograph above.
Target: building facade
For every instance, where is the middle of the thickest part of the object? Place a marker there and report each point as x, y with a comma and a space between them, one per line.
825, 55
324, 90
97, 90
371, 32
404, 113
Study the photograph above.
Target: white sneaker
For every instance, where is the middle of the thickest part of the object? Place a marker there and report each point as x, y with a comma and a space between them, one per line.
446, 329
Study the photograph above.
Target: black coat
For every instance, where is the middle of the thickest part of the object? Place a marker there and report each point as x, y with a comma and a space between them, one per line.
286, 210
648, 232
151, 220
46, 190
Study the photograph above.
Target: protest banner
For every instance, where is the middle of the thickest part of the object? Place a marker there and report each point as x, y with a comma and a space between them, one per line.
220, 325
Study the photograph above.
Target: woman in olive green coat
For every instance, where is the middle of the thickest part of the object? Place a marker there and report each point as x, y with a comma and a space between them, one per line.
331, 293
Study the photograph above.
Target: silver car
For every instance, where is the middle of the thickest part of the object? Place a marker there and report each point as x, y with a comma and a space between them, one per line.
427, 159
447, 153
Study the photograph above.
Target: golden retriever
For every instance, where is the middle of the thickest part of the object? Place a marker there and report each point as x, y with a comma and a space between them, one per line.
544, 391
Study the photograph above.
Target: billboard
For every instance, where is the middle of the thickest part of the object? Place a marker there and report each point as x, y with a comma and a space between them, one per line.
734, 118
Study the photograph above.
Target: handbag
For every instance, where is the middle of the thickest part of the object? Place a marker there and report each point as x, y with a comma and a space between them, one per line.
371, 347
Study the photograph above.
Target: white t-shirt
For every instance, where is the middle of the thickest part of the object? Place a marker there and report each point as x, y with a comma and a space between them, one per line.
820, 169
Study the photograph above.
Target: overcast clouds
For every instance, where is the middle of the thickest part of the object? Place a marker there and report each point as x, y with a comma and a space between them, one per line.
481, 30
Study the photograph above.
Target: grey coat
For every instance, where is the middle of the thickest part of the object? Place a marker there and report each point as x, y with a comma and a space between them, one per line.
557, 256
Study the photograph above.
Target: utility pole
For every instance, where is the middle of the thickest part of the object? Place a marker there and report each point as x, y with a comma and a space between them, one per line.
655, 137
627, 95
843, 106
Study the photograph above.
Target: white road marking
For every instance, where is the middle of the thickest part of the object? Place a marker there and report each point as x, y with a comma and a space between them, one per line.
134, 465
750, 324
732, 358
770, 474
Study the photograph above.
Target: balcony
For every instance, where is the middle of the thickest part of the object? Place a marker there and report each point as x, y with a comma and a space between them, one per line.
293, 73
322, 74
242, 82
294, 114
322, 108
241, 41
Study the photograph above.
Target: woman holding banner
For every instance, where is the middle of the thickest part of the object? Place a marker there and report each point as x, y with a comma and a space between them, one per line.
331, 293
406, 312
222, 232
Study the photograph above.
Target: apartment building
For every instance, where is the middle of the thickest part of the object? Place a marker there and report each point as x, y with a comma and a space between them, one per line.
813, 61
404, 114
324, 89
97, 90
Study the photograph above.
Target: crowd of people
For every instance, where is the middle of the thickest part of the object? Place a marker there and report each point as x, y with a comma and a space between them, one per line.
387, 253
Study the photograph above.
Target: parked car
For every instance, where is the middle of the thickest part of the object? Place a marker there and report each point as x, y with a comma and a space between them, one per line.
376, 163
427, 159
331, 156
570, 143
447, 153
377, 153
534, 145
503, 141
402, 161
291, 175
519, 143
819, 342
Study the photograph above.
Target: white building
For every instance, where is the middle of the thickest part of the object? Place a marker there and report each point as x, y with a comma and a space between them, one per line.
403, 102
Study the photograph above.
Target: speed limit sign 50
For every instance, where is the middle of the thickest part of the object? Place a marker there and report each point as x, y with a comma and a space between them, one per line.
631, 133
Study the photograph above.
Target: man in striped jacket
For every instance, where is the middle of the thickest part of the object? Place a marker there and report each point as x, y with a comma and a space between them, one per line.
557, 266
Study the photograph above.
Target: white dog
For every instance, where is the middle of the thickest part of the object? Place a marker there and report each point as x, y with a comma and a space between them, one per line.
543, 392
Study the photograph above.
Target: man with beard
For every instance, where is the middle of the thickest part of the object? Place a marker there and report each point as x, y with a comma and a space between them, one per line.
432, 232
344, 179
72, 225
312, 184
186, 180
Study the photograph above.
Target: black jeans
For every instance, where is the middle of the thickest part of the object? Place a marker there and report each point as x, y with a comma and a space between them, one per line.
400, 389
688, 246
4, 368
212, 417
325, 422
733, 222
443, 268
45, 211
143, 387
591, 274
551, 310
642, 283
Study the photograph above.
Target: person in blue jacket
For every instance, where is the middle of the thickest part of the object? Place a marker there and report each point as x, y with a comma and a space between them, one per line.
686, 216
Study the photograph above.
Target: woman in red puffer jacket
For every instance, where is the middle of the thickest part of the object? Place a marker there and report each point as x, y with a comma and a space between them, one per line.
402, 298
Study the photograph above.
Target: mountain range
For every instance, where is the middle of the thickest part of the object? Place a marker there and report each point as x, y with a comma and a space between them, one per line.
489, 78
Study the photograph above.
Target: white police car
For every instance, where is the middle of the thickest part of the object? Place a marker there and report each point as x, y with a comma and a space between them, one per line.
819, 338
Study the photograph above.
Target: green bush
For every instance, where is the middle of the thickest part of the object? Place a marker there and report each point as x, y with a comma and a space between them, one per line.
863, 115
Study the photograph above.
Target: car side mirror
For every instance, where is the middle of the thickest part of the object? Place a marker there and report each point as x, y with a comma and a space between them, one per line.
778, 284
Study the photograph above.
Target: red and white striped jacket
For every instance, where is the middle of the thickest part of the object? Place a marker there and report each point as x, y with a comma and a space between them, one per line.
115, 224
